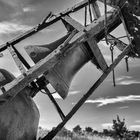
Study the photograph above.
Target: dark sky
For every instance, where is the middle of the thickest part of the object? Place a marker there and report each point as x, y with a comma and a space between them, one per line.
18, 16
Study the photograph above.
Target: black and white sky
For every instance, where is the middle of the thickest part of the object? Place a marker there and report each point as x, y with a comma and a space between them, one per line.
18, 16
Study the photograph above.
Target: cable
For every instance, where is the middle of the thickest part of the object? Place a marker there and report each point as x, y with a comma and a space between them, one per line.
90, 14
85, 16
112, 58
105, 23
45, 92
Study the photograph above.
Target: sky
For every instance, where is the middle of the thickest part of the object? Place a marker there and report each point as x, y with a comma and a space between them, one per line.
18, 16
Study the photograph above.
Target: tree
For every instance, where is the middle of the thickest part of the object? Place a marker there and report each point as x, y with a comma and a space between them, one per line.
119, 128
63, 132
88, 130
95, 132
106, 132
77, 129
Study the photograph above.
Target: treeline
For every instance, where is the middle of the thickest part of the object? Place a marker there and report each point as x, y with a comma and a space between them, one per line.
118, 131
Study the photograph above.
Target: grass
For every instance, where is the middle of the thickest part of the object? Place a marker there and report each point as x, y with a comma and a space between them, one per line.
82, 138
42, 133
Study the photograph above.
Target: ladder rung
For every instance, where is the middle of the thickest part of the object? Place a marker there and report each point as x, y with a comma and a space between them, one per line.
17, 60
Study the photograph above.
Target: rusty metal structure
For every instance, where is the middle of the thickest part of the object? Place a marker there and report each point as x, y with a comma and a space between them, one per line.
81, 40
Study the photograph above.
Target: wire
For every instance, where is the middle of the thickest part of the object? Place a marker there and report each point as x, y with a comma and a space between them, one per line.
112, 58
105, 23
85, 16
90, 14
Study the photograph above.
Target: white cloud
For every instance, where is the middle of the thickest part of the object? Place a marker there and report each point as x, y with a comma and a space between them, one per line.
106, 125
126, 80
73, 92
9, 27
123, 78
137, 121
28, 9
134, 127
106, 101
123, 107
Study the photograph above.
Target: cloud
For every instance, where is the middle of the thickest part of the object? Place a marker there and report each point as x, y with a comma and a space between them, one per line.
9, 27
134, 127
123, 107
28, 9
126, 80
119, 99
27, 12
106, 125
123, 78
73, 92
137, 121
6, 11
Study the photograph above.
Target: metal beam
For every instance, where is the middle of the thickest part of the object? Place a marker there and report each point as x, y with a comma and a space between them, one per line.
52, 134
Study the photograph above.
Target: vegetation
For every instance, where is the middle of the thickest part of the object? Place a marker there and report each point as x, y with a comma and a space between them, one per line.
119, 131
